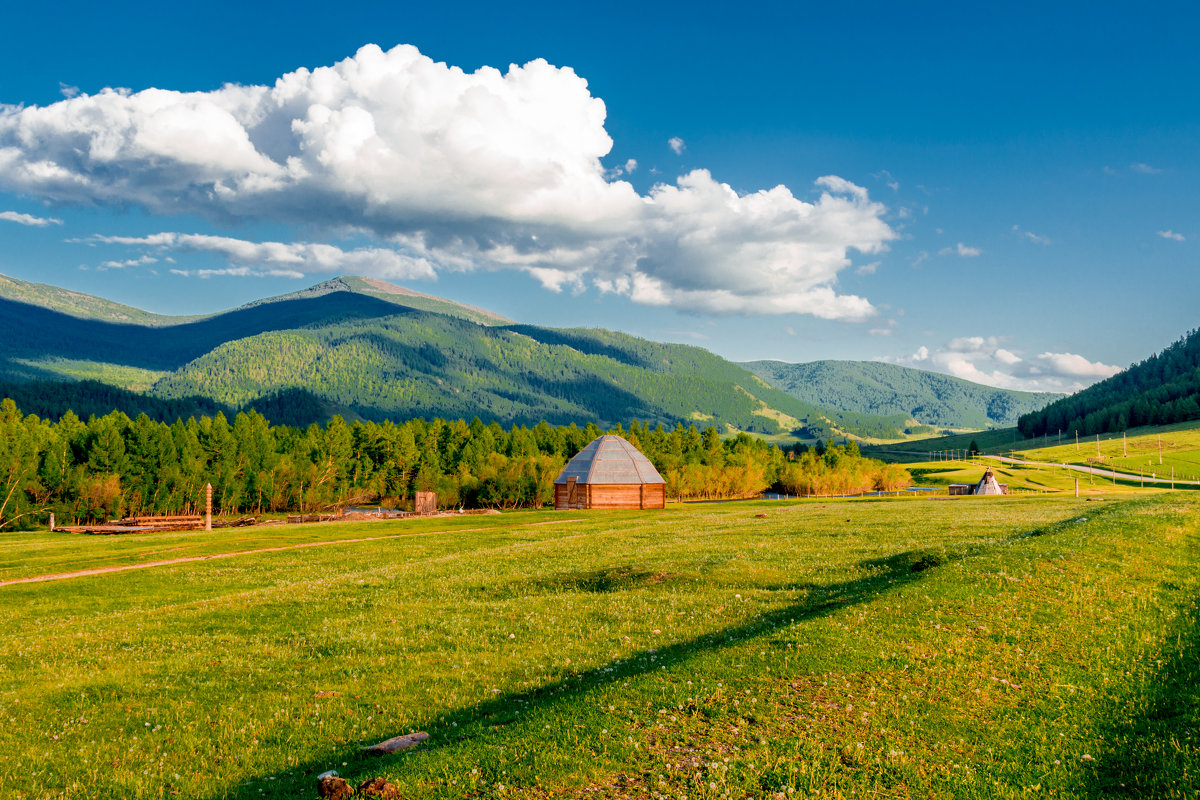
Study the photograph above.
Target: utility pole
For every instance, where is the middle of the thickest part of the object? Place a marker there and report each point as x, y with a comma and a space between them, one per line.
1076, 440
1097, 445
1160, 449
1124, 446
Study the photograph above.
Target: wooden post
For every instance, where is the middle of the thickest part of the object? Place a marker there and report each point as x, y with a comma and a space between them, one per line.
1172, 479
1124, 445
1160, 448
208, 507
1077, 487
51, 520
1097, 445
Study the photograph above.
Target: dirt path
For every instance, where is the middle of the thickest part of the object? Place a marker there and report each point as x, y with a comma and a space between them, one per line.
83, 573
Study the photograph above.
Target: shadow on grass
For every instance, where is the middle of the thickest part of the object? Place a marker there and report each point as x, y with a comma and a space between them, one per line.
452, 729
1154, 737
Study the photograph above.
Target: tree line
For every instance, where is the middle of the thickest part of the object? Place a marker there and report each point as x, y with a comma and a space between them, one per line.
111, 466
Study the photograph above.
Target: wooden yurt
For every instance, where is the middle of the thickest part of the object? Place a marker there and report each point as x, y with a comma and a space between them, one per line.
609, 473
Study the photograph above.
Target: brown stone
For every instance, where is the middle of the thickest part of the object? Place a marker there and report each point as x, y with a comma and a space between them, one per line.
397, 743
334, 788
378, 787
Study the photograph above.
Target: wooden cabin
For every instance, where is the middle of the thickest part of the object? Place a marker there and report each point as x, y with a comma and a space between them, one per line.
609, 473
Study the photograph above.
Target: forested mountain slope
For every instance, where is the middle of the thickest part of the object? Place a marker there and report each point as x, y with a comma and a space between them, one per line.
361, 348
930, 398
78, 304
1164, 388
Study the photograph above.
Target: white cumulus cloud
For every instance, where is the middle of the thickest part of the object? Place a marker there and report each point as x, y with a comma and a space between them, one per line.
985, 360
676, 144
28, 219
449, 170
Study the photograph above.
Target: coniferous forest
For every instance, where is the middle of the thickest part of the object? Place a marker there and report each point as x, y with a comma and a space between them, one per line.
111, 466
1163, 389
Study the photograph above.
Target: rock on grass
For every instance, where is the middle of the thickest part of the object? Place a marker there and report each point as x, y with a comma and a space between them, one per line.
378, 787
334, 788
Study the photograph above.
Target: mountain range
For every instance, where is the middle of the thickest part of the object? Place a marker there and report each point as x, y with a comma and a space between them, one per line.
877, 388
367, 349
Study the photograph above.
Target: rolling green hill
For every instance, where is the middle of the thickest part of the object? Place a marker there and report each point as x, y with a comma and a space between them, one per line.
366, 349
929, 398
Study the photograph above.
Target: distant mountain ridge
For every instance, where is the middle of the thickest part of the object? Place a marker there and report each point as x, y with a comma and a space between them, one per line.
81, 305
929, 398
364, 349
367, 349
389, 292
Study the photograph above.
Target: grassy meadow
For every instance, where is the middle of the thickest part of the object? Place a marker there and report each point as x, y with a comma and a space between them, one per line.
1137, 449
1025, 478
1035, 646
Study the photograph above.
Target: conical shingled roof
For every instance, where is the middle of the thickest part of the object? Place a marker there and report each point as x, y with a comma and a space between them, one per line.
610, 459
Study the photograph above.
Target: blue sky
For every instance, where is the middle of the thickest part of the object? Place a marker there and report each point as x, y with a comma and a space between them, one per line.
1004, 194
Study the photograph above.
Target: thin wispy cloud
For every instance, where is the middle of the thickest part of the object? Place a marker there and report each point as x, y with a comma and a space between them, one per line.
1030, 236
448, 170
1144, 169
960, 250
887, 330
676, 144
28, 219
1172, 235
280, 259
887, 178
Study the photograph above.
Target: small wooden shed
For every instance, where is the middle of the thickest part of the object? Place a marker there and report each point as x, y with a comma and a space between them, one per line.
609, 473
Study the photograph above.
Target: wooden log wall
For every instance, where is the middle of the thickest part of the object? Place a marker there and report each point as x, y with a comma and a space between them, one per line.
614, 496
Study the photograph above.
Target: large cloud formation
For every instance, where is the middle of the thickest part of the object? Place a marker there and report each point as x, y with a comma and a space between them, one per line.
452, 170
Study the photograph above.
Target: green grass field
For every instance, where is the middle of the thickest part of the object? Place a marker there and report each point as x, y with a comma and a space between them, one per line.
1036, 646
1137, 450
